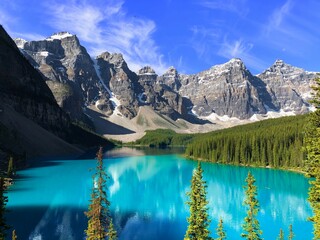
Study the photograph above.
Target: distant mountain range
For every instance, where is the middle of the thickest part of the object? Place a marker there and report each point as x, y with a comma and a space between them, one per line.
104, 88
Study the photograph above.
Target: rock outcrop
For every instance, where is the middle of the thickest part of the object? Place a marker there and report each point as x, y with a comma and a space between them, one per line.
226, 89
68, 69
121, 81
288, 87
159, 95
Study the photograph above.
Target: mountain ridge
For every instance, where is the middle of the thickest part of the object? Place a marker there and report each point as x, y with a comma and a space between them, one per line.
222, 93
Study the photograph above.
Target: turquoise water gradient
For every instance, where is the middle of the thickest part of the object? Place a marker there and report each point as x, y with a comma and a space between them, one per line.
147, 196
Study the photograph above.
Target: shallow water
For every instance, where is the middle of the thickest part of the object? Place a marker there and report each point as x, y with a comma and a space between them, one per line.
147, 196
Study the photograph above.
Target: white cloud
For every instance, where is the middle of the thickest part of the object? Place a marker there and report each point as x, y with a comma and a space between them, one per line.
108, 27
241, 49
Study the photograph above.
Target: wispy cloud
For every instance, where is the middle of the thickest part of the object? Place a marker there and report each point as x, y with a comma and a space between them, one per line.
285, 29
241, 49
108, 27
278, 15
203, 39
234, 6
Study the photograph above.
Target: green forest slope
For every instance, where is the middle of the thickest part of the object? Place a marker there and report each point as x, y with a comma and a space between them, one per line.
273, 142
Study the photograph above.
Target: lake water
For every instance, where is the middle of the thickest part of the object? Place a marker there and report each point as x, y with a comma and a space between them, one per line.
147, 195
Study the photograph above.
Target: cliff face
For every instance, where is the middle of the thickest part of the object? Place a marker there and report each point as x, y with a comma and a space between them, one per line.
24, 88
159, 95
227, 89
68, 69
288, 86
120, 82
31, 122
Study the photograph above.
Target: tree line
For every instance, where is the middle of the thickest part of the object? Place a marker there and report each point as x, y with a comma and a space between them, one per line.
275, 143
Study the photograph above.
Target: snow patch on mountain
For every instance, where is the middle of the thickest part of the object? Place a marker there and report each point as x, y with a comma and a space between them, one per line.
59, 36
20, 42
115, 102
224, 118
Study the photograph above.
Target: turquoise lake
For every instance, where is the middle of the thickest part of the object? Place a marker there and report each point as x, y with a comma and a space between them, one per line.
148, 195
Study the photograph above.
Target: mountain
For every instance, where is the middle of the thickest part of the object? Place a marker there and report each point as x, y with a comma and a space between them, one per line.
31, 122
288, 87
224, 95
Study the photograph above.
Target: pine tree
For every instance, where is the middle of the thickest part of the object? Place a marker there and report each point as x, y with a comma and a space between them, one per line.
112, 233
3, 202
14, 236
291, 235
10, 171
281, 235
220, 231
199, 219
312, 146
98, 213
251, 224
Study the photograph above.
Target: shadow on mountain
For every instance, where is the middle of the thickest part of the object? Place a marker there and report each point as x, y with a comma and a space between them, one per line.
189, 117
263, 92
104, 126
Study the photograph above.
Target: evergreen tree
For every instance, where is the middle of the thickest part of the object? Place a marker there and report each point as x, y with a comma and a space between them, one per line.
14, 236
312, 146
199, 219
291, 235
112, 233
3, 202
10, 171
220, 231
281, 235
251, 224
98, 213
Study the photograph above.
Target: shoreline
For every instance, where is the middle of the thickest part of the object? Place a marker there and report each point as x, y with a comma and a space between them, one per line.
295, 170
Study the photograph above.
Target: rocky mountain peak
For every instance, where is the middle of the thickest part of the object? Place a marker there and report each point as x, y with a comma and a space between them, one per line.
233, 66
279, 67
171, 78
147, 70
172, 71
20, 42
60, 36
116, 59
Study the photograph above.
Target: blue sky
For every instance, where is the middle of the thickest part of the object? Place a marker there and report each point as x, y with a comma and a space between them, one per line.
191, 35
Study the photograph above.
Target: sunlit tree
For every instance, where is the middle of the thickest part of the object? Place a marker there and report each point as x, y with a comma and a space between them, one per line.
112, 233
220, 231
98, 213
198, 220
312, 146
251, 226
14, 235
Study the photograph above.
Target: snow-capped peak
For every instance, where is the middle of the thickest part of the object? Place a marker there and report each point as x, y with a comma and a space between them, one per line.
59, 36
20, 42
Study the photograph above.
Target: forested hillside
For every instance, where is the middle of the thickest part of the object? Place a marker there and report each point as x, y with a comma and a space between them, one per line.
274, 143
164, 138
